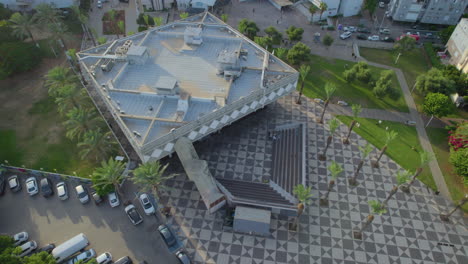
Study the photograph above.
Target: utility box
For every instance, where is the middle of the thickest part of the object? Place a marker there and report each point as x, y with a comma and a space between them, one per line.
107, 65
252, 221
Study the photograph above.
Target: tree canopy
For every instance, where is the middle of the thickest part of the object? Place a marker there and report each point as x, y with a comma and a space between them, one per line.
434, 81
248, 28
298, 53
328, 40
274, 34
406, 43
370, 5
294, 33
437, 104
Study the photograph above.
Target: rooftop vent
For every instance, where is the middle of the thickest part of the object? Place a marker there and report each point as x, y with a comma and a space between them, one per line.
192, 35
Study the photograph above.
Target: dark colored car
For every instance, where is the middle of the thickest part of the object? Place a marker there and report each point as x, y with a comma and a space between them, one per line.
361, 36
167, 235
14, 183
47, 248
363, 30
46, 187
124, 260
388, 39
182, 257
133, 214
2, 184
96, 197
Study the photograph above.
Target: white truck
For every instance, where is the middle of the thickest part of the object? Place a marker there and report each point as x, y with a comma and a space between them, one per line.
70, 247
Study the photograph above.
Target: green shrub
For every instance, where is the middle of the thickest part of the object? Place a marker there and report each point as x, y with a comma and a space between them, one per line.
430, 51
330, 28
459, 160
16, 57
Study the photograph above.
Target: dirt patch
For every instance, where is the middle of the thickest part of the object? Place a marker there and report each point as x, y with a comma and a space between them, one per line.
110, 27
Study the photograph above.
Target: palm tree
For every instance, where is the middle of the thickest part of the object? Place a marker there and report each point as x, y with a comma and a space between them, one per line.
401, 178
356, 108
110, 173
184, 15
59, 32
158, 21
329, 90
376, 208
224, 17
80, 120
22, 26
303, 194
446, 217
57, 78
333, 124
365, 151
150, 176
121, 26
303, 72
335, 170
425, 158
390, 136
47, 14
83, 20
96, 144
323, 7
70, 96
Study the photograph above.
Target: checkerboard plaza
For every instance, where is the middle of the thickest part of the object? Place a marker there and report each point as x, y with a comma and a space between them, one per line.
188, 79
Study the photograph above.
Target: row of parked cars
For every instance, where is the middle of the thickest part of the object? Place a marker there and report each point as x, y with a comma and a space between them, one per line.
69, 252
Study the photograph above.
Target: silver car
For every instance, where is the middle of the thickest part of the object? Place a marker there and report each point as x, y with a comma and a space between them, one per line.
147, 204
31, 186
82, 194
113, 199
62, 191
104, 258
20, 238
27, 248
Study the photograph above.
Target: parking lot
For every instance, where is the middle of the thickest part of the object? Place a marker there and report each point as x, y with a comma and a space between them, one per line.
50, 220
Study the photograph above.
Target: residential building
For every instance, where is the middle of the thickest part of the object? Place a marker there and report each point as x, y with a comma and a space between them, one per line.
156, 5
444, 12
457, 46
345, 8
26, 5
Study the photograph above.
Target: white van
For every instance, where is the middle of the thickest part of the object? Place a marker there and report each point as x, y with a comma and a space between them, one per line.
70, 247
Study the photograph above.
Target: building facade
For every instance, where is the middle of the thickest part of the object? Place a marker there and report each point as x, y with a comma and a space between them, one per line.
444, 12
26, 5
337, 7
457, 46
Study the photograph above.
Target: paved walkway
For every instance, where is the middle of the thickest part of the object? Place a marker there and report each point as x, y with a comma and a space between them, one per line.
415, 116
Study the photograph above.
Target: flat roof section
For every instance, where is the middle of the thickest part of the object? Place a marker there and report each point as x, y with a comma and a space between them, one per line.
170, 76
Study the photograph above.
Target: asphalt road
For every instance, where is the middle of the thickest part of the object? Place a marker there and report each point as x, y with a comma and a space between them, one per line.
50, 220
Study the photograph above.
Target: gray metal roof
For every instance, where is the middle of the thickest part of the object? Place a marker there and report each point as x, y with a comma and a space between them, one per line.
224, 65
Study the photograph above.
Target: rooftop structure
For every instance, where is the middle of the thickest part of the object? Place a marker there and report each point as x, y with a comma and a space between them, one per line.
188, 79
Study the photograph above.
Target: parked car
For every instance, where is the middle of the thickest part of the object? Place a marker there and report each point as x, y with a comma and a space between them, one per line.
384, 31
133, 214
62, 191
350, 29
20, 238
82, 194
31, 186
46, 187
374, 38
381, 4
363, 30
27, 248
167, 235
99, 4
96, 197
182, 257
346, 35
389, 39
362, 36
104, 258
2, 184
148, 207
124, 260
342, 103
113, 199
14, 183
318, 101
85, 256
47, 248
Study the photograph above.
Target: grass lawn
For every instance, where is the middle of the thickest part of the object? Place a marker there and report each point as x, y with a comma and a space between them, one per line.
439, 139
412, 63
325, 70
42, 147
399, 150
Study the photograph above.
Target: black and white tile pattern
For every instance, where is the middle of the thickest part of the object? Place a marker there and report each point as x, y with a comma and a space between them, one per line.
410, 232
